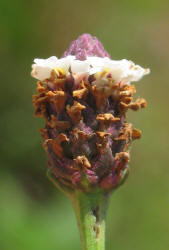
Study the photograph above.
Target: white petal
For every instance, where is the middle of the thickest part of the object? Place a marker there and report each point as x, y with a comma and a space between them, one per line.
49, 62
78, 66
40, 73
65, 62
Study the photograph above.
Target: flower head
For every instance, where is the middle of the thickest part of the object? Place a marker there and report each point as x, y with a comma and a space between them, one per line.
84, 97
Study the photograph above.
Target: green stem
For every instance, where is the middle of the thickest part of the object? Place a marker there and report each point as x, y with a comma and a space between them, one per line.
90, 210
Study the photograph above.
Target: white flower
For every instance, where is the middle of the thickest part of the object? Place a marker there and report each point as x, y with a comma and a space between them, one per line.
42, 68
122, 70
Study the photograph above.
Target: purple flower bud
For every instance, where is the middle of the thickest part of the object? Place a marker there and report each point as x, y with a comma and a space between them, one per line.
83, 98
86, 45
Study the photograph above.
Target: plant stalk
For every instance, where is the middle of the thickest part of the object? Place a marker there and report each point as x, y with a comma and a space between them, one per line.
90, 210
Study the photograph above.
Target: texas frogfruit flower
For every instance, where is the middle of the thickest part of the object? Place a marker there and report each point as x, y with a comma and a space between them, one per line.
84, 97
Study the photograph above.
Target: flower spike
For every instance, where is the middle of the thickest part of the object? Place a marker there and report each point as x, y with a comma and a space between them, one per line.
83, 98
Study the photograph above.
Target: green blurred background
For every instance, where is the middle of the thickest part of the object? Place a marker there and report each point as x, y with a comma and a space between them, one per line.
33, 214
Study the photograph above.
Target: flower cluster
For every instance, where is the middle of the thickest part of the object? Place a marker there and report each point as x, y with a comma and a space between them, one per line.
84, 97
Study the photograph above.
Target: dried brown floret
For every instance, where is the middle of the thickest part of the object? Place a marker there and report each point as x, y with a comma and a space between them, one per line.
139, 103
81, 162
122, 137
80, 135
100, 97
136, 134
41, 88
40, 100
102, 135
102, 140
58, 98
82, 92
55, 123
129, 88
143, 103
40, 105
122, 91
75, 111
106, 119
56, 144
125, 135
123, 107
58, 79
123, 158
127, 99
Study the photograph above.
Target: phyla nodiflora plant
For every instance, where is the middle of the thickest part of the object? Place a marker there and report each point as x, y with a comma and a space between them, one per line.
84, 97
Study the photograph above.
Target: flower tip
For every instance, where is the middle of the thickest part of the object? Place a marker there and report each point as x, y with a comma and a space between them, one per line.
86, 45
